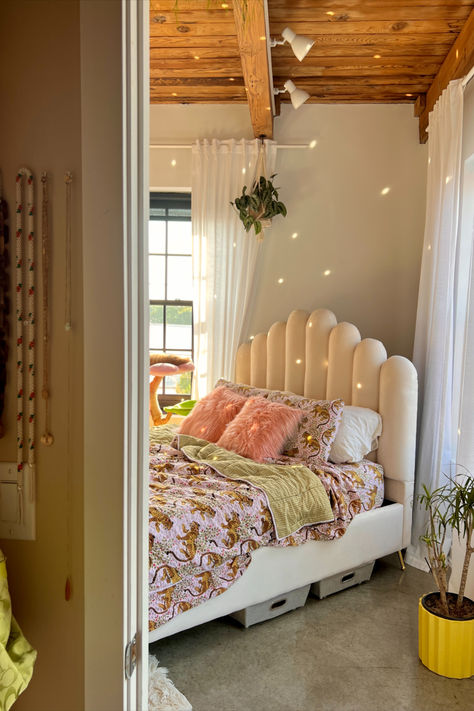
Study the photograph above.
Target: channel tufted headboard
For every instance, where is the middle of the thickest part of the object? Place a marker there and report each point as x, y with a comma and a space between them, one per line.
315, 356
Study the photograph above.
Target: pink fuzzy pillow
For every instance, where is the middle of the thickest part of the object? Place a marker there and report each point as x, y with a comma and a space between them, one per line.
210, 416
260, 429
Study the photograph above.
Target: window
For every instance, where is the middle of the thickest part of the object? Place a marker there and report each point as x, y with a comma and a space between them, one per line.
170, 285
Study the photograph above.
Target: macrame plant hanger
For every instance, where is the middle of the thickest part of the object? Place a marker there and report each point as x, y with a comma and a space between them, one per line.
25, 328
4, 300
261, 170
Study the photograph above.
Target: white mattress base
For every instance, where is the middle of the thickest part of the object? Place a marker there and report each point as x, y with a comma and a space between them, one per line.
276, 570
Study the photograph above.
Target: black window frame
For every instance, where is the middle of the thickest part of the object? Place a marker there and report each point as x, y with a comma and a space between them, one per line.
170, 202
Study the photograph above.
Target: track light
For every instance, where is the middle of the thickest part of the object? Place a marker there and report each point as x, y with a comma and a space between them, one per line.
297, 96
299, 43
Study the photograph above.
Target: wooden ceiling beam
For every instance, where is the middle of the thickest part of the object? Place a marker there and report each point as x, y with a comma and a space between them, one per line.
251, 36
362, 11
315, 29
459, 61
345, 4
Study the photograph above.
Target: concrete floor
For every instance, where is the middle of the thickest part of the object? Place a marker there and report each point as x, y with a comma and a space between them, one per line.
353, 651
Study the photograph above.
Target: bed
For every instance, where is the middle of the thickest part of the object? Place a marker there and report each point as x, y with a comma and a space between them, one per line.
314, 356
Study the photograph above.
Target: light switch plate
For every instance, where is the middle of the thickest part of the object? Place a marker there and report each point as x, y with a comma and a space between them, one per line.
10, 524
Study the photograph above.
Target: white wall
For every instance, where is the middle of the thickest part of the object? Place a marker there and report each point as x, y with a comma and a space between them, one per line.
40, 127
371, 243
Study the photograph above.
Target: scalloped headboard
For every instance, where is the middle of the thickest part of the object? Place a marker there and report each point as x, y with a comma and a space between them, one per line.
315, 356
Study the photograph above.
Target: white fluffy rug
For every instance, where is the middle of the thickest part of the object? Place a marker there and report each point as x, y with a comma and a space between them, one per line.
162, 693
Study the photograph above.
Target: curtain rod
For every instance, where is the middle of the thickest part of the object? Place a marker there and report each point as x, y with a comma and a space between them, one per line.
468, 78
190, 145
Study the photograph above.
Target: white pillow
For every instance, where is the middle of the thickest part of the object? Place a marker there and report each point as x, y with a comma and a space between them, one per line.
357, 435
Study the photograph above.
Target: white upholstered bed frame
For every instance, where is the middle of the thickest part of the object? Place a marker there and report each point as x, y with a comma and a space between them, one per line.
319, 358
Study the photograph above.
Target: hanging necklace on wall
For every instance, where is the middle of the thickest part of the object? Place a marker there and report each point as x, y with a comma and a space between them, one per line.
68, 589
25, 319
46, 438
4, 300
68, 181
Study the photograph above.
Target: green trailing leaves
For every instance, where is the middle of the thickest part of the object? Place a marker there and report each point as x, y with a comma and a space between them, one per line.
261, 203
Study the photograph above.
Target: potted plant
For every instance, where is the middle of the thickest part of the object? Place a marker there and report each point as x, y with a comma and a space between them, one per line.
257, 208
446, 619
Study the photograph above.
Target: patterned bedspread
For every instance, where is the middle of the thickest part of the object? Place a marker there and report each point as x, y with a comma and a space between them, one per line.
204, 527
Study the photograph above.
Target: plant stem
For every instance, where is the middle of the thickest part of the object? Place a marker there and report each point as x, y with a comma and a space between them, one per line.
465, 567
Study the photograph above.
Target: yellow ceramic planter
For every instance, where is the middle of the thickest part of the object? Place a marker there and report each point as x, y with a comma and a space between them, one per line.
445, 646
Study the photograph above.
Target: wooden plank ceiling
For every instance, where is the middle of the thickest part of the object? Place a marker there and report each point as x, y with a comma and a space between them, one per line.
366, 51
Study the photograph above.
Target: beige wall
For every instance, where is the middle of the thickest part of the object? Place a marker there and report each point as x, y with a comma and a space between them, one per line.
40, 126
371, 243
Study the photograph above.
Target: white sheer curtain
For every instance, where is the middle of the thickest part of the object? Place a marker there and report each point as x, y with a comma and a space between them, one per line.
465, 453
442, 303
224, 255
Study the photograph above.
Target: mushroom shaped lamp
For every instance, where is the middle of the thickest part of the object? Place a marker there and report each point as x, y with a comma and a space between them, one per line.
162, 364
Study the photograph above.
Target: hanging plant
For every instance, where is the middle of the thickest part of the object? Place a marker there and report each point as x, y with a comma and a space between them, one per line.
257, 208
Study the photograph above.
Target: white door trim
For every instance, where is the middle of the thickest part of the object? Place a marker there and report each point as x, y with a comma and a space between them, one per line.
136, 207
114, 86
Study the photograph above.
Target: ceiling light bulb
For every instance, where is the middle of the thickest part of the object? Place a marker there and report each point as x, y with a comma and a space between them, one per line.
313, 143
280, 280
327, 272
297, 96
294, 235
385, 191
299, 43
173, 162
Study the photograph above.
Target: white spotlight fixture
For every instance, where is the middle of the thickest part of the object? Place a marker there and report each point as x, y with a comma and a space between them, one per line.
298, 43
297, 96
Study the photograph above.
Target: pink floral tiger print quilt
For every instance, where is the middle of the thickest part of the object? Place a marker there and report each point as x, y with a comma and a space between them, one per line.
204, 527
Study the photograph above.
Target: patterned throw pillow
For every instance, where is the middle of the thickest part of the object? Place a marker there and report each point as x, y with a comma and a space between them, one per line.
318, 426
241, 389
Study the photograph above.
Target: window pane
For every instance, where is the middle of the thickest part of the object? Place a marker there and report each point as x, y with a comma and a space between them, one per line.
157, 211
156, 327
156, 277
179, 384
180, 279
157, 236
179, 330
179, 212
179, 238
